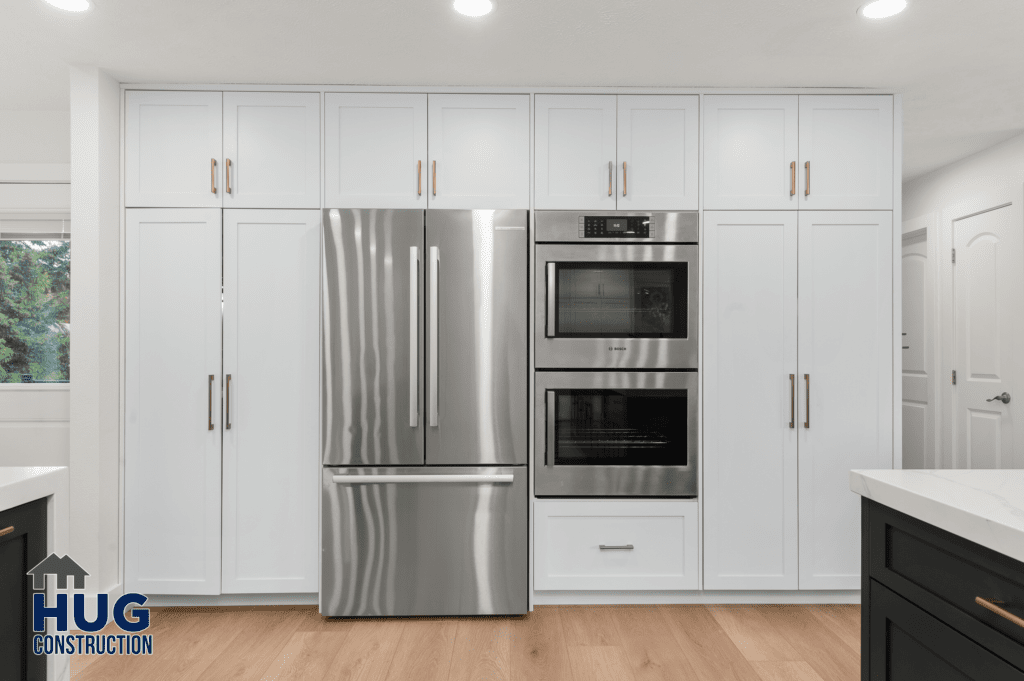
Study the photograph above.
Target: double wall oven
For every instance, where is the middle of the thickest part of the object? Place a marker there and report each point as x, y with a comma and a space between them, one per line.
616, 354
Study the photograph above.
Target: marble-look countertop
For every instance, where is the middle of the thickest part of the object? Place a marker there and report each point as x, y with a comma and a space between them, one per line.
22, 484
983, 506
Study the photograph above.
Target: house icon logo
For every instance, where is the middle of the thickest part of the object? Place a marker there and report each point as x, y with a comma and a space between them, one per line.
62, 568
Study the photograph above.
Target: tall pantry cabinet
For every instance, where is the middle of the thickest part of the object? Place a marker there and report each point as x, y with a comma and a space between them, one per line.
222, 343
798, 329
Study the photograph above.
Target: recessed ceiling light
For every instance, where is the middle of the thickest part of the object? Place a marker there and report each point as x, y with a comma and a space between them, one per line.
71, 5
883, 9
471, 8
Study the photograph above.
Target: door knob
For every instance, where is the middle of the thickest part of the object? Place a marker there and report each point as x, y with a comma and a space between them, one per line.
1004, 398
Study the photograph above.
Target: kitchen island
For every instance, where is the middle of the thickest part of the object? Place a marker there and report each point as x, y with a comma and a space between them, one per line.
942, 574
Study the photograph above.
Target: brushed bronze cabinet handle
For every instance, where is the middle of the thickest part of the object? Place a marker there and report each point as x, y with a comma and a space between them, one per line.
610, 172
419, 178
227, 403
213, 175
807, 167
792, 401
434, 178
807, 397
209, 397
6, 531
991, 606
792, 178
623, 178
227, 175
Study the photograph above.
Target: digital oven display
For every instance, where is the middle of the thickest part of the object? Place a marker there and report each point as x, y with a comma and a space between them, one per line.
623, 227
616, 225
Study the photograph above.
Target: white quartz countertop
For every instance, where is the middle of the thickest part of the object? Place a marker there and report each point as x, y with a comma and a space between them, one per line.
983, 506
22, 484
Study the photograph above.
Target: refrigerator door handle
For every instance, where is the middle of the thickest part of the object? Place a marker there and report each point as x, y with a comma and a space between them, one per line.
414, 336
549, 452
499, 478
435, 258
549, 330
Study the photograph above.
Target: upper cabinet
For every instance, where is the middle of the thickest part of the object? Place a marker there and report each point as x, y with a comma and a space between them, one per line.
608, 152
750, 152
375, 151
479, 151
172, 149
657, 152
575, 152
236, 150
846, 152
271, 150
820, 152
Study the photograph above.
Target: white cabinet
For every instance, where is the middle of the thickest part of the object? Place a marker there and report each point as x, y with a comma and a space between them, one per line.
846, 152
271, 150
658, 152
615, 545
750, 367
479, 151
575, 152
750, 152
375, 150
845, 384
608, 152
172, 426
271, 367
172, 149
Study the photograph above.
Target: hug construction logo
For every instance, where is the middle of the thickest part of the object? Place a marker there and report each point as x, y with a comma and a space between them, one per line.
90, 643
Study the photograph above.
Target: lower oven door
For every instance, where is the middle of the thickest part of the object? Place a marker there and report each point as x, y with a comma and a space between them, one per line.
424, 541
616, 434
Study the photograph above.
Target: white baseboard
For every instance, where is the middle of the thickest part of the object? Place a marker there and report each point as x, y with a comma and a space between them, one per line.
234, 599
694, 597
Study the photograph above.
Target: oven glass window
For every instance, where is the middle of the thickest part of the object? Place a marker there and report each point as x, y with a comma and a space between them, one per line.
620, 427
621, 300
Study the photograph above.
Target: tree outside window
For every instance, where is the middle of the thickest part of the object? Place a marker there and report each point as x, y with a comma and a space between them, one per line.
35, 305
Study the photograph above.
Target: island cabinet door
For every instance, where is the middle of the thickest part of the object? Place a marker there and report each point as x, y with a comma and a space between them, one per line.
658, 152
844, 383
750, 435
172, 467
271, 400
375, 150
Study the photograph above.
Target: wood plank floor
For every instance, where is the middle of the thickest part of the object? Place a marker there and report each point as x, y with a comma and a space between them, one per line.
554, 643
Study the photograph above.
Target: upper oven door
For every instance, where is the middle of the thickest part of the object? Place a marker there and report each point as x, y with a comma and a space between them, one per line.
623, 306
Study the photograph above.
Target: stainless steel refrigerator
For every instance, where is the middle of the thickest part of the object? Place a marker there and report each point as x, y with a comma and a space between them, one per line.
423, 413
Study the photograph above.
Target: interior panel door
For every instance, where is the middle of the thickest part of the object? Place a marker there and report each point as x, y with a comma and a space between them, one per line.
575, 152
271, 367
658, 152
172, 448
918, 441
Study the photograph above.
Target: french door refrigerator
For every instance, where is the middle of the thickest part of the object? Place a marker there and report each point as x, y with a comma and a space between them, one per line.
423, 413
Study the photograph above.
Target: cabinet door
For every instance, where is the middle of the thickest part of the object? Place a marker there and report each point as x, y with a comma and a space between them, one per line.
480, 151
750, 437
575, 152
658, 155
846, 152
271, 150
172, 149
271, 367
172, 401
375, 151
750, 152
845, 386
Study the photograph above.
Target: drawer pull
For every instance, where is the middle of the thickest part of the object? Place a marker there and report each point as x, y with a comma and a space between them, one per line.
991, 605
624, 547
6, 531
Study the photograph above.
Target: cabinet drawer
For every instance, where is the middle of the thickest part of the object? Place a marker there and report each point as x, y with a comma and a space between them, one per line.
648, 545
943, 574
908, 644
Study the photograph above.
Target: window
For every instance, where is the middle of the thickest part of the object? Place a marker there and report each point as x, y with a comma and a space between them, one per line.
35, 304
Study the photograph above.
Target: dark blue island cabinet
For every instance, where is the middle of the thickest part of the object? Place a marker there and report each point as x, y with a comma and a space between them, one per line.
22, 546
936, 606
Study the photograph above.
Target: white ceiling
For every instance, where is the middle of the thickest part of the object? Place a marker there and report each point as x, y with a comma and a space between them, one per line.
958, 62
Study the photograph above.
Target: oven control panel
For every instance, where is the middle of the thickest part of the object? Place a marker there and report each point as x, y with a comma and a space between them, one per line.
629, 227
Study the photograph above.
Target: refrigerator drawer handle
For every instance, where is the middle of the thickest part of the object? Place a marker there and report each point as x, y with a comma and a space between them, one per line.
624, 547
388, 479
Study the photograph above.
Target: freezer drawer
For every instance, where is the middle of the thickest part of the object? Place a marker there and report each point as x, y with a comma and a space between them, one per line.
424, 541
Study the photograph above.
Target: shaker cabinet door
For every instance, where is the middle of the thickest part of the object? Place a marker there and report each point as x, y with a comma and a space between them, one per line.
846, 152
172, 149
375, 150
172, 447
271, 150
479, 151
750, 152
271, 400
658, 152
575, 152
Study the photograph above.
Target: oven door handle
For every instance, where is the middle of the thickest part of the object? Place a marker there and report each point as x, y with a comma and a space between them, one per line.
549, 326
549, 450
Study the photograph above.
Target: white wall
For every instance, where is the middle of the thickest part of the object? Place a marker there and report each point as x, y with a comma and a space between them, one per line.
35, 137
